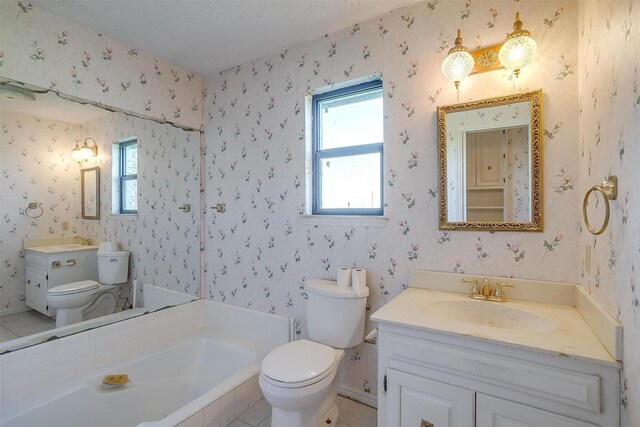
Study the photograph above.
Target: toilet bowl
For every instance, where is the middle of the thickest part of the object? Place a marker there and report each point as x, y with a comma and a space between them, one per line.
88, 299
299, 378
300, 381
78, 301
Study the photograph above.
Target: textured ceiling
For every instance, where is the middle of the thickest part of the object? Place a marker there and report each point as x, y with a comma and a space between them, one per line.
209, 36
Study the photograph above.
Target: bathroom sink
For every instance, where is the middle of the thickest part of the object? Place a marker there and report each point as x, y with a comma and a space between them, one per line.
491, 314
67, 246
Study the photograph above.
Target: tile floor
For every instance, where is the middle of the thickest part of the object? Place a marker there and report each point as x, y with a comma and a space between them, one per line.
22, 324
352, 414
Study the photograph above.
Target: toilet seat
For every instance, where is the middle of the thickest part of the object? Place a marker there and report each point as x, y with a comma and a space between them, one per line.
74, 287
298, 364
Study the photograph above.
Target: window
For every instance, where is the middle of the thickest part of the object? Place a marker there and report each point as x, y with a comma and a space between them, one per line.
127, 155
347, 151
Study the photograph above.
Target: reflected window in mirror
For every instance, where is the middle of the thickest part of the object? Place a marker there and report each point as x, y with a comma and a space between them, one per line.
125, 162
490, 164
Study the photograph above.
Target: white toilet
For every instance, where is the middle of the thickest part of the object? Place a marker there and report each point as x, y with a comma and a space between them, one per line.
299, 378
89, 299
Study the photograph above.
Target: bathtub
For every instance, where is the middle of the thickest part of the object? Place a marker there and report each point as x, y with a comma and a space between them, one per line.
167, 386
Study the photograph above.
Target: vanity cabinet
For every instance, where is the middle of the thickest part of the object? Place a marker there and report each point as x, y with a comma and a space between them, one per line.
429, 379
413, 400
47, 268
36, 288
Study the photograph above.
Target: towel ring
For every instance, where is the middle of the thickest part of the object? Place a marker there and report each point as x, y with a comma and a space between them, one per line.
34, 206
609, 191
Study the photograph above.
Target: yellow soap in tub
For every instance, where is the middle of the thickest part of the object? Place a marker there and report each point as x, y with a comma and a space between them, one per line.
115, 380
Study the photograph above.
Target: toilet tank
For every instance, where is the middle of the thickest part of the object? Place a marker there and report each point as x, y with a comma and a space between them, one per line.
113, 267
335, 314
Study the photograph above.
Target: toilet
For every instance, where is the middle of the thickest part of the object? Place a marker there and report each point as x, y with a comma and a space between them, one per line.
89, 299
299, 378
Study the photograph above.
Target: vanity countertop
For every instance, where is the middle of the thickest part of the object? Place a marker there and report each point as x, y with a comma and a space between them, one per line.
54, 249
547, 328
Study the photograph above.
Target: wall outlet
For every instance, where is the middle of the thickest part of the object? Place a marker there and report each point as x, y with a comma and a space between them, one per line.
587, 258
65, 226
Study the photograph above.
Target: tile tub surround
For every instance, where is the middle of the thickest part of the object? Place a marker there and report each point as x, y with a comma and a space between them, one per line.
35, 369
160, 298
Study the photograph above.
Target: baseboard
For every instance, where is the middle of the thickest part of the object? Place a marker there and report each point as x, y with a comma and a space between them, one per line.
14, 310
359, 396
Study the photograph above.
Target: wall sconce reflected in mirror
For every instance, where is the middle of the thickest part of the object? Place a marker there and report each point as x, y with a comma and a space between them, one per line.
86, 151
518, 49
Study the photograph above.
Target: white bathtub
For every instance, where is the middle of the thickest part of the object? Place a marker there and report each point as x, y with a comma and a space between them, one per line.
167, 386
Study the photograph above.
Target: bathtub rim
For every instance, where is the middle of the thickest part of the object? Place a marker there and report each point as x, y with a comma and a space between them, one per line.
16, 409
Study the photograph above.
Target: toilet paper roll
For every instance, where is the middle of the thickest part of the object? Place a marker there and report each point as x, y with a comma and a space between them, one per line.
344, 276
359, 281
108, 247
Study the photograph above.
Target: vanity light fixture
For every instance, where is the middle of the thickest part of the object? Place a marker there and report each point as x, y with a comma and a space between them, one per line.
458, 63
518, 49
85, 152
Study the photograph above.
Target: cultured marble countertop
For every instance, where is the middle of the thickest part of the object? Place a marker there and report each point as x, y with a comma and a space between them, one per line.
558, 330
54, 249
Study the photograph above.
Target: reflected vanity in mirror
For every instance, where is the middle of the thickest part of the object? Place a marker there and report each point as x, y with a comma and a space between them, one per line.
90, 188
490, 164
39, 130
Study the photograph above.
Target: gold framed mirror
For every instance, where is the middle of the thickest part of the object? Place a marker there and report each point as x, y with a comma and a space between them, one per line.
490, 164
90, 192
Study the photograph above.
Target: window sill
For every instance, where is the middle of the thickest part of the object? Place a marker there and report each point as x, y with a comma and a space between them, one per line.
129, 217
344, 220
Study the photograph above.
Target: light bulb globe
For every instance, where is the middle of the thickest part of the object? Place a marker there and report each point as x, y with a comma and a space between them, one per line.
457, 66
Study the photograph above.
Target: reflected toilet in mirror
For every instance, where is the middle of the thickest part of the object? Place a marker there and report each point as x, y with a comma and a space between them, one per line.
88, 299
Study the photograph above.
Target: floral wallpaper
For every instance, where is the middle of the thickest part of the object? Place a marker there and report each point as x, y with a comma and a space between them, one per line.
609, 127
36, 166
39, 48
257, 254
163, 240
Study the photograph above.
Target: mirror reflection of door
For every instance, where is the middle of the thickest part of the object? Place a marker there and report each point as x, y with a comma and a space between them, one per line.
497, 175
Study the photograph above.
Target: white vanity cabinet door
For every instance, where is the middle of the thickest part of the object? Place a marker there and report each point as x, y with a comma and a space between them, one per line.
494, 412
36, 289
414, 401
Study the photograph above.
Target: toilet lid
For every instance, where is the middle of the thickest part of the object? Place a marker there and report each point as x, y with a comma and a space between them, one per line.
74, 288
299, 363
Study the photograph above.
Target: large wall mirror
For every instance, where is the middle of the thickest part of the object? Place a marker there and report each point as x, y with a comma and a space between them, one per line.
73, 205
490, 164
